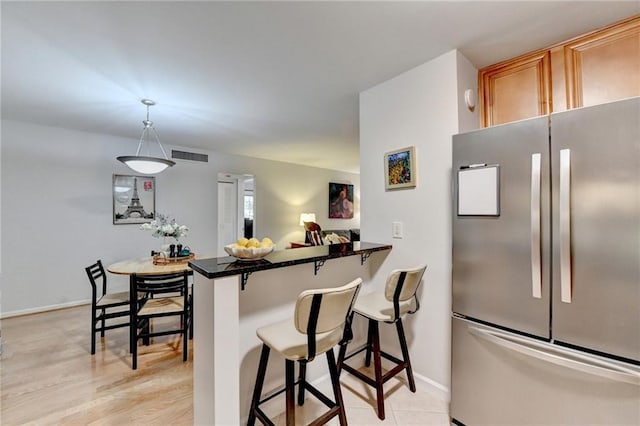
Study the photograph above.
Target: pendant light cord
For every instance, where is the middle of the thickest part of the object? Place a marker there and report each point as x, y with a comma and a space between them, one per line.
148, 124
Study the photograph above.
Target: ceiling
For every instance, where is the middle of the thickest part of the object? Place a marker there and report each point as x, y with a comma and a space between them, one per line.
275, 80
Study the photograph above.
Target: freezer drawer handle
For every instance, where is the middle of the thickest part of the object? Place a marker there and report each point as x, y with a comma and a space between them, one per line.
565, 226
536, 273
559, 356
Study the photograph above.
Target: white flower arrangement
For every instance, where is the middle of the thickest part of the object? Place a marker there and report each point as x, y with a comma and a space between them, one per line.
162, 226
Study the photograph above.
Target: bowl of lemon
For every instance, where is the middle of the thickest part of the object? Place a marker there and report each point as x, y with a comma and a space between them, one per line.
250, 249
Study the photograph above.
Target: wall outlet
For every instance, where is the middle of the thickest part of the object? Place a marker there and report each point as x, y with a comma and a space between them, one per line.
396, 229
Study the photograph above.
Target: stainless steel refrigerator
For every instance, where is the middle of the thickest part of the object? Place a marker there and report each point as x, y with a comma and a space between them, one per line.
546, 270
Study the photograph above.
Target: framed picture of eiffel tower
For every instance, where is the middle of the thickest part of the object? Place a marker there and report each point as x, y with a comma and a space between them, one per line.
134, 199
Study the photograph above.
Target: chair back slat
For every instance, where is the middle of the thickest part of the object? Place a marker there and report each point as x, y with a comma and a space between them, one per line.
408, 280
324, 310
159, 284
335, 305
402, 285
96, 272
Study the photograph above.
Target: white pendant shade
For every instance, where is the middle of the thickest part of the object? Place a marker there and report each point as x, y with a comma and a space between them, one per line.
145, 164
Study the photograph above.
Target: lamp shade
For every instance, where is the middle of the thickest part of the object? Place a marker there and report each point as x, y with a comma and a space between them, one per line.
307, 217
146, 165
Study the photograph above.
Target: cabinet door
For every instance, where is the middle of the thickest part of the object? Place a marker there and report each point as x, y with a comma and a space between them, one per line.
603, 66
516, 90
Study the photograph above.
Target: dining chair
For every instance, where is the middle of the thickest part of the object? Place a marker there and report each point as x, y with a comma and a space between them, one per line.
313, 234
320, 322
166, 295
397, 299
104, 305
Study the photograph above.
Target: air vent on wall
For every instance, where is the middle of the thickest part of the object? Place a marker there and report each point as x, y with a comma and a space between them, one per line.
184, 155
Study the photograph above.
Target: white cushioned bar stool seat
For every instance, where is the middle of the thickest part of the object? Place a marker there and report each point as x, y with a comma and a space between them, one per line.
398, 299
320, 322
377, 307
285, 339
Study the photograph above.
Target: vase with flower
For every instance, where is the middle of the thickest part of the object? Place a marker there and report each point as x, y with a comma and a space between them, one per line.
168, 229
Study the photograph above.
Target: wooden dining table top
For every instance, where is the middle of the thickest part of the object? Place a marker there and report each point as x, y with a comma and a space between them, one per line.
145, 266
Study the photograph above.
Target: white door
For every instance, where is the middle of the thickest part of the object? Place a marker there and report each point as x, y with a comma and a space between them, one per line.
227, 214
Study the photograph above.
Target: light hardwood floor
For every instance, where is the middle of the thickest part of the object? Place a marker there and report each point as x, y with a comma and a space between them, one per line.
48, 377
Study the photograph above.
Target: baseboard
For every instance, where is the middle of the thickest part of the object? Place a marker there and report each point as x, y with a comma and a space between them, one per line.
5, 315
432, 387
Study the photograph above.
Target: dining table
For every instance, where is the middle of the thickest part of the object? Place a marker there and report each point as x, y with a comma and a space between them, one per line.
146, 266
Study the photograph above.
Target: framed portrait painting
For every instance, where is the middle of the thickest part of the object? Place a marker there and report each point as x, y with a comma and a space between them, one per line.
341, 204
134, 199
400, 168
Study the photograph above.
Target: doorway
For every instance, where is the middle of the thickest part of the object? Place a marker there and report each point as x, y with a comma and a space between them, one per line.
236, 209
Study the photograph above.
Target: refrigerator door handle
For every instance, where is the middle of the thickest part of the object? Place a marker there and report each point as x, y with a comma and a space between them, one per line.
536, 273
559, 356
565, 226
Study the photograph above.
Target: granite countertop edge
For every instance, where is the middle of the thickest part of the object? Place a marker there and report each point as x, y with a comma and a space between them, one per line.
228, 266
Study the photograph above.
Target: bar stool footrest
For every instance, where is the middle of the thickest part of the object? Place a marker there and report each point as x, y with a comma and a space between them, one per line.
312, 389
322, 397
263, 417
399, 367
323, 419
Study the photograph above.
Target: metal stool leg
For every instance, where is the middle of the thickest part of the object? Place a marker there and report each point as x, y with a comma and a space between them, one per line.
377, 365
367, 359
335, 382
302, 377
290, 392
257, 390
405, 355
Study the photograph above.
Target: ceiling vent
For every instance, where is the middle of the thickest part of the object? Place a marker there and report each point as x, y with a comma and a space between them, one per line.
192, 156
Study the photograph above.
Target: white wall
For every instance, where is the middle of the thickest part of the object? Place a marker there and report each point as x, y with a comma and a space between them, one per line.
57, 209
468, 119
418, 108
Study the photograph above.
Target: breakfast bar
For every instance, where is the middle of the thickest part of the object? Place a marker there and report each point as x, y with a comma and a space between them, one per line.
232, 297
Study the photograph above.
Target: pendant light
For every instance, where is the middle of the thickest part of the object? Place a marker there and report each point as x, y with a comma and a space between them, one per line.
144, 164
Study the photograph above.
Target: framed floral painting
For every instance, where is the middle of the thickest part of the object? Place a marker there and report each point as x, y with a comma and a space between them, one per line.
134, 199
400, 168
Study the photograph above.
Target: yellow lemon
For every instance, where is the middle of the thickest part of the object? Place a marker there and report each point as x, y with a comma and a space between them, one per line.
266, 242
242, 242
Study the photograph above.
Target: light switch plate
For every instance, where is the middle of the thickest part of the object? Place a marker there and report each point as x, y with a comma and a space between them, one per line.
396, 229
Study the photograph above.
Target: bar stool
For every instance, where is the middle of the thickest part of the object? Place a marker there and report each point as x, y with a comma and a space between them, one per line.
320, 322
388, 307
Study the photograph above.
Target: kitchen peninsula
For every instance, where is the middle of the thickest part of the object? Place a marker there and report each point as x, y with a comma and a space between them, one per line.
233, 298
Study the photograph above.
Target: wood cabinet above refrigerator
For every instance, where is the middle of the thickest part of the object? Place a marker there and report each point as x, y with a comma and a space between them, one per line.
594, 68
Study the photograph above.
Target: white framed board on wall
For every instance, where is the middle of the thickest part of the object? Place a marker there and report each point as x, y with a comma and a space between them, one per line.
479, 190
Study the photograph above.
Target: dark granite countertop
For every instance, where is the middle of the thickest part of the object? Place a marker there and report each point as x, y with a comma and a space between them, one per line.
226, 266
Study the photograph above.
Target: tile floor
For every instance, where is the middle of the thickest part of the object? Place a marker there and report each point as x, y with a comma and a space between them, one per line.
402, 407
